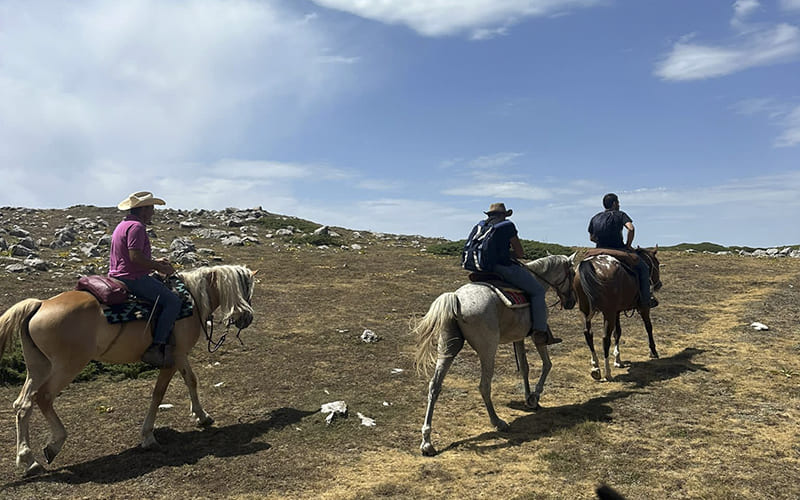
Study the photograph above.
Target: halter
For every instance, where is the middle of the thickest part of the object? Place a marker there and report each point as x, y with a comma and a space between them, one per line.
210, 320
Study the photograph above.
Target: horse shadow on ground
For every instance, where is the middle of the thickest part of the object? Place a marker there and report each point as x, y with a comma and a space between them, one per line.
644, 373
548, 421
175, 449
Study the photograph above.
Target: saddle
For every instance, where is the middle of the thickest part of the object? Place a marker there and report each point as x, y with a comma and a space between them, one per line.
119, 308
629, 260
510, 295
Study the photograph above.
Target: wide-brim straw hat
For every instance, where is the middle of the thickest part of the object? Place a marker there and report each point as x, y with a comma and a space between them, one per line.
498, 208
140, 199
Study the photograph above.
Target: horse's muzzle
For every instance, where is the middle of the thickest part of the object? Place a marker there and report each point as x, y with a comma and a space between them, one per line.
244, 320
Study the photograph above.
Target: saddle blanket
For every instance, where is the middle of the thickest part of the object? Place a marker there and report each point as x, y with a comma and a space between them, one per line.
510, 296
137, 309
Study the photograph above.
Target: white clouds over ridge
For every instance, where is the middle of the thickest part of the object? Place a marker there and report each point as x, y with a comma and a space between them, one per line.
756, 45
480, 18
142, 85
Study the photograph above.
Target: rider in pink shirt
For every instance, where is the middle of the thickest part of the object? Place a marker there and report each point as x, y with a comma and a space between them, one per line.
131, 262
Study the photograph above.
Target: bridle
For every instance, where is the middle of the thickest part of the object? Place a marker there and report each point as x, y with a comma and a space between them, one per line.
557, 287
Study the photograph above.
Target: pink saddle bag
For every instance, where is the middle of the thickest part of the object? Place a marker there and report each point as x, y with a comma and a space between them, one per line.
106, 289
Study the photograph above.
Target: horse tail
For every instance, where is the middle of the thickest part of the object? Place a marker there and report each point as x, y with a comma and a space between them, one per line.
434, 329
15, 320
589, 282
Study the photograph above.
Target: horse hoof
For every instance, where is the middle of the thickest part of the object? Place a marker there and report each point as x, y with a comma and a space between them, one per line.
533, 402
427, 450
653, 355
49, 454
150, 444
596, 374
502, 426
204, 422
34, 470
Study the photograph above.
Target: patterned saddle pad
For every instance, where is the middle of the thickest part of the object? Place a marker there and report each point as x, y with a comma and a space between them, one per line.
511, 296
139, 309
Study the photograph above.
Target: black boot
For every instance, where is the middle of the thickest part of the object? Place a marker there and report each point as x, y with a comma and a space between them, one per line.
546, 337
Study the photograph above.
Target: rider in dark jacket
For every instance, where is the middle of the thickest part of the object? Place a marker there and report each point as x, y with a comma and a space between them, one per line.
605, 229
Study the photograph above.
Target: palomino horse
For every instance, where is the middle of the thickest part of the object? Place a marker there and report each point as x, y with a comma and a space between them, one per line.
62, 334
476, 314
603, 285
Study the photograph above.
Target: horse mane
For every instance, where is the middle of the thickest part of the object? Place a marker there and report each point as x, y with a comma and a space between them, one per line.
544, 265
234, 285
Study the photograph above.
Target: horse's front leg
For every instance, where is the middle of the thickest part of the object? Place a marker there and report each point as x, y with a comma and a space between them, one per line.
648, 325
546, 365
487, 372
202, 418
523, 369
587, 333
617, 335
164, 377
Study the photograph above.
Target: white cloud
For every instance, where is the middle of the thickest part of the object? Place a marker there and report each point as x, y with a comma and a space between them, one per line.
791, 129
756, 45
784, 116
790, 4
497, 160
142, 86
691, 61
501, 190
742, 9
481, 19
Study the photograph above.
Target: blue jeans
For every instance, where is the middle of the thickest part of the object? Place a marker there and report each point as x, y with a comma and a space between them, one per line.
148, 287
519, 276
644, 281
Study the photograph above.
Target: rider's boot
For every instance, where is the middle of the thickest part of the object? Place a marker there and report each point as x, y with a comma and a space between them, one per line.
545, 337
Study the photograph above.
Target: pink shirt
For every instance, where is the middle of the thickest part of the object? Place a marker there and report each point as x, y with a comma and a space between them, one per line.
130, 233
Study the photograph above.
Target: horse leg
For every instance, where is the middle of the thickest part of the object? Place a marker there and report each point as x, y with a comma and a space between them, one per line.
648, 325
202, 418
164, 377
608, 326
448, 348
546, 365
617, 335
523, 369
23, 407
487, 372
587, 333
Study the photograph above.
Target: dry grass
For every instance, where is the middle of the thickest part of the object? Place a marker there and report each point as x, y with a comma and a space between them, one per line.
715, 417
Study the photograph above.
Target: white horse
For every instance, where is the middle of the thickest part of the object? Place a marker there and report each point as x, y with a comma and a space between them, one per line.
62, 334
476, 314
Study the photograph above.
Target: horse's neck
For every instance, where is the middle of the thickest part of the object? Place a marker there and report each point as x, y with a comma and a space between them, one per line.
543, 270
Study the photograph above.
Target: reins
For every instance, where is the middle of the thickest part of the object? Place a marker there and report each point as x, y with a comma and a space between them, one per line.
213, 346
551, 285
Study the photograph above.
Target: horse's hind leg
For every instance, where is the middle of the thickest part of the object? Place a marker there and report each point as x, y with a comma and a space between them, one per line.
23, 406
617, 335
164, 376
608, 327
202, 418
449, 346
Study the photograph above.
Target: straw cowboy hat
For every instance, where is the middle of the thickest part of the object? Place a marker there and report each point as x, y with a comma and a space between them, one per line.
498, 208
140, 199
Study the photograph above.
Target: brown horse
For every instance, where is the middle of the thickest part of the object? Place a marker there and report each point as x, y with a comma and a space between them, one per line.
603, 285
62, 334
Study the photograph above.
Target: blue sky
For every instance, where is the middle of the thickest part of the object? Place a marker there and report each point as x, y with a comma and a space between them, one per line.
412, 116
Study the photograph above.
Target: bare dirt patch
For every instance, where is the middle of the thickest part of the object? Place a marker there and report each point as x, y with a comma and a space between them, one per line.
715, 417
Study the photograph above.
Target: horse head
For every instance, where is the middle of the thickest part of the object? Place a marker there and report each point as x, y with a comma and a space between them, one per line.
558, 272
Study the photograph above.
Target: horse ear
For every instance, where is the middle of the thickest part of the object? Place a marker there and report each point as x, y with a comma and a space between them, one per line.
253, 273
655, 250
572, 257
